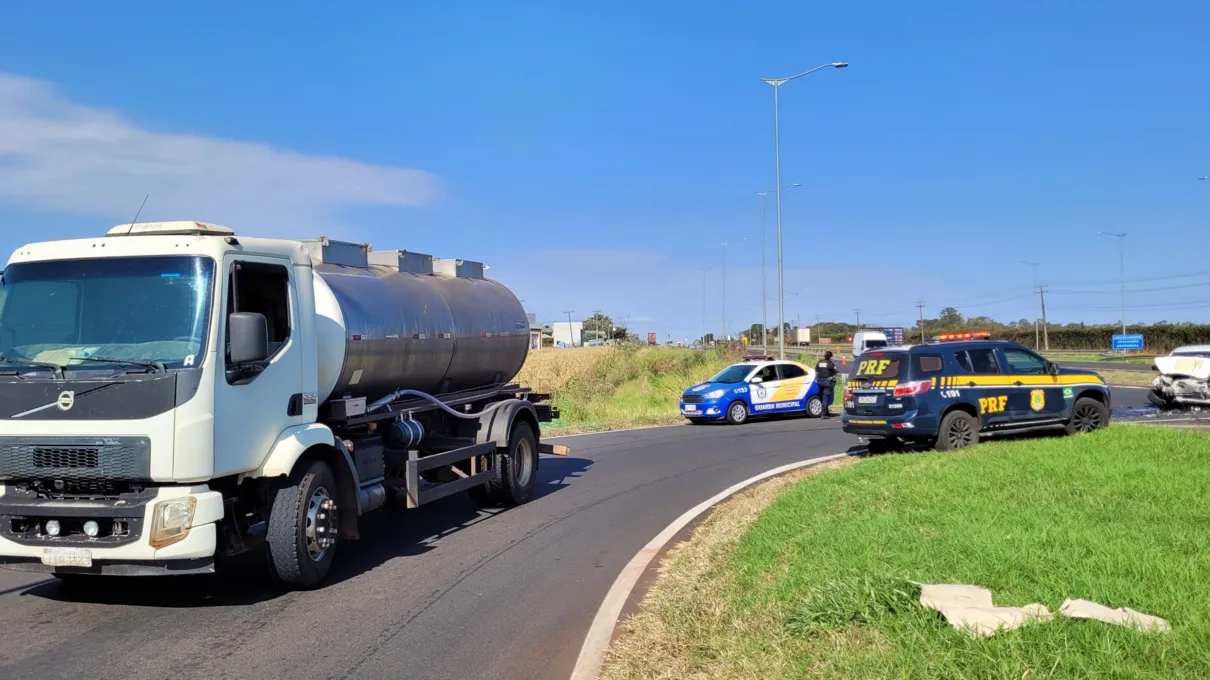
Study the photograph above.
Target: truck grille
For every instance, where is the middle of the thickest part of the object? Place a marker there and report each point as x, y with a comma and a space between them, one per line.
65, 457
692, 399
79, 459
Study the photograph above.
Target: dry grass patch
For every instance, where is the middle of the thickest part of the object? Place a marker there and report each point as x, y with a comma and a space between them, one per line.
687, 627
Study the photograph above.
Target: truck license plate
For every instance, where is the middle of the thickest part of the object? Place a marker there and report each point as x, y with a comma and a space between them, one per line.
867, 400
690, 407
67, 557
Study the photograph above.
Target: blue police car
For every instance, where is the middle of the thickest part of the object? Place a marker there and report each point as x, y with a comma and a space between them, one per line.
964, 387
750, 388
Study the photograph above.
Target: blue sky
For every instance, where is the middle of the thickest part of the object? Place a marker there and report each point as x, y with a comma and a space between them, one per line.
596, 156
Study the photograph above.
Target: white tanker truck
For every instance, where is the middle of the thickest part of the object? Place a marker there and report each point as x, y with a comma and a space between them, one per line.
174, 393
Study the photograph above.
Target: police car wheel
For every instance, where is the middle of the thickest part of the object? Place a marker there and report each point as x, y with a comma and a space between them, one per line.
959, 430
1087, 415
814, 407
737, 413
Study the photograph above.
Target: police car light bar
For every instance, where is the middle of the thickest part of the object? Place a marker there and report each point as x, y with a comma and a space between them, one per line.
968, 335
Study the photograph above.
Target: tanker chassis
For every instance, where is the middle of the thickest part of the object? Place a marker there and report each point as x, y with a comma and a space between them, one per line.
174, 394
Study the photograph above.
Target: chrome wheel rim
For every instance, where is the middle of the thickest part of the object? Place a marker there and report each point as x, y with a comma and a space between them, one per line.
815, 406
321, 524
738, 413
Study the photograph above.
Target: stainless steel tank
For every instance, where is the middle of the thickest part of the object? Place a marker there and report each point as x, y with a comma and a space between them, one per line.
381, 329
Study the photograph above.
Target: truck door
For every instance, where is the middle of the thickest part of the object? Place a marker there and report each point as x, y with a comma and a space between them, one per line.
1036, 395
252, 407
762, 388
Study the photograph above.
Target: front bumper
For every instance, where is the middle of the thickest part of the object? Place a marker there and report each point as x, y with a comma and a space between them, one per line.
132, 554
707, 410
909, 424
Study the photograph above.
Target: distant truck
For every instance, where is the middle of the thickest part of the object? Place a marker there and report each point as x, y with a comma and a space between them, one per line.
802, 336
864, 341
173, 393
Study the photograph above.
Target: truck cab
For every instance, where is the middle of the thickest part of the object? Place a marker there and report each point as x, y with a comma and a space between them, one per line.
162, 404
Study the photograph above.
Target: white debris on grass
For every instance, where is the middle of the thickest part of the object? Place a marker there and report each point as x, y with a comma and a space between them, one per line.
1084, 609
970, 609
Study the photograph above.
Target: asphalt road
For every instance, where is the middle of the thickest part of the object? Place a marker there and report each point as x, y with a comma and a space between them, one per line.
445, 591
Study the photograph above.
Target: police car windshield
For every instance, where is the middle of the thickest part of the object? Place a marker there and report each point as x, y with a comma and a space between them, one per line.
879, 366
732, 374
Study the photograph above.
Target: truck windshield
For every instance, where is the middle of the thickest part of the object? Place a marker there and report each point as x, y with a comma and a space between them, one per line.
139, 309
732, 374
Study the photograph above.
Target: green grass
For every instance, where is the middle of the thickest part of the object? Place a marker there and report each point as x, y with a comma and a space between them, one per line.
819, 584
630, 387
617, 387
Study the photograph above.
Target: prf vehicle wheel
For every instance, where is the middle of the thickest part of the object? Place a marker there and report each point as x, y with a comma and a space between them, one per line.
737, 413
1087, 415
959, 430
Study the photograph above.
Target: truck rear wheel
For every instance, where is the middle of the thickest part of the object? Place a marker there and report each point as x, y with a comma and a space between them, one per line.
518, 468
301, 533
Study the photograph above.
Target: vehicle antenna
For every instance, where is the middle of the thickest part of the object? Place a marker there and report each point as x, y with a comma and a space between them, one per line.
140, 211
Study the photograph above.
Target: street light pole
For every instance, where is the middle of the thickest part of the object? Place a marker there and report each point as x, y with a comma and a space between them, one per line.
781, 302
764, 320
745, 238
1121, 269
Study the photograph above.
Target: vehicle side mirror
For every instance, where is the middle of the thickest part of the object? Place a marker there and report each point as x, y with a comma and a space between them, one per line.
249, 334
756, 381
1052, 368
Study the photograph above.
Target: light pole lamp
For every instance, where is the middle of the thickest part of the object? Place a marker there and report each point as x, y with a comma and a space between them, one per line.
764, 321
777, 83
745, 238
1121, 269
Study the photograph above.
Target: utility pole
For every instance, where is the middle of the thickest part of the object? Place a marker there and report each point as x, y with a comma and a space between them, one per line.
571, 331
704, 270
1122, 269
1045, 334
1033, 283
920, 306
858, 313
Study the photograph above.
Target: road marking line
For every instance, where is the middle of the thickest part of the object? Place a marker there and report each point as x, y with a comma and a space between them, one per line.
600, 633
1129, 387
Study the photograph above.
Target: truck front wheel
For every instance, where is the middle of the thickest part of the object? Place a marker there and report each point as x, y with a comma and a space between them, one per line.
303, 522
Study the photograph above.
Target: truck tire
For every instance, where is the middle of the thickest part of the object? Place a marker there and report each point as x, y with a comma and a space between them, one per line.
958, 430
301, 533
737, 413
518, 467
1087, 415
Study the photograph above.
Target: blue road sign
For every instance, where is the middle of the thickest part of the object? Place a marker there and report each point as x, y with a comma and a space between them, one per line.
1128, 341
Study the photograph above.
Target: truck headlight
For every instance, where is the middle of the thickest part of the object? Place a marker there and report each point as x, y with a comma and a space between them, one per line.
715, 394
171, 521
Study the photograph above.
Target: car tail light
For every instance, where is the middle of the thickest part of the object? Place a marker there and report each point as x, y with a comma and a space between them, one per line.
911, 389
848, 394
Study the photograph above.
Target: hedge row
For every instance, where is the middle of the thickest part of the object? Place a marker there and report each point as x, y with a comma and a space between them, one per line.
1156, 339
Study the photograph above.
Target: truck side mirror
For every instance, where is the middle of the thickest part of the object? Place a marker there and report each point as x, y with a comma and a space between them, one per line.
249, 334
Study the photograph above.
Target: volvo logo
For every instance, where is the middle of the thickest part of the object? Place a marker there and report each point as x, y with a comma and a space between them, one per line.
66, 400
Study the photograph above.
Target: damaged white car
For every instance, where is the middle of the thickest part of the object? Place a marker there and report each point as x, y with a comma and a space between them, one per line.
1184, 378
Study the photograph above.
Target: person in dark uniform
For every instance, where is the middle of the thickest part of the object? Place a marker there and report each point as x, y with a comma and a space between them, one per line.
825, 377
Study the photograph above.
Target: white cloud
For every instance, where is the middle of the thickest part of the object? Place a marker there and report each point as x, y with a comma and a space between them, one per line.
61, 156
